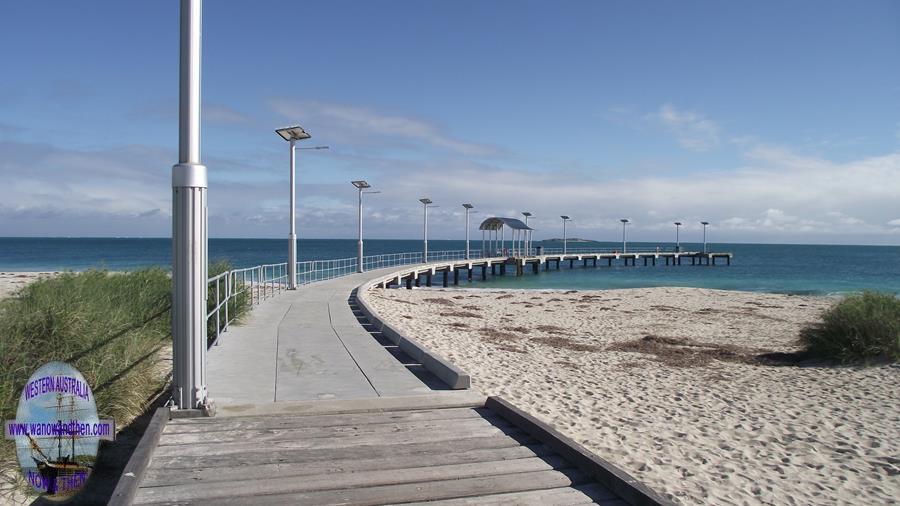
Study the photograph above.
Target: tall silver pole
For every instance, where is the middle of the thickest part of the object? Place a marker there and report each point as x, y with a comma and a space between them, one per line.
292, 236
425, 235
359, 244
704, 238
624, 244
467, 233
527, 246
564, 237
189, 227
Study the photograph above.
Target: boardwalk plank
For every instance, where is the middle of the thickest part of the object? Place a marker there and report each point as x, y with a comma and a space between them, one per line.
584, 494
448, 434
336, 432
266, 455
186, 425
159, 476
399, 493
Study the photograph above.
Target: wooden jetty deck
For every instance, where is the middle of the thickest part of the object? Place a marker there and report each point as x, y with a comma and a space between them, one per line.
447, 448
451, 270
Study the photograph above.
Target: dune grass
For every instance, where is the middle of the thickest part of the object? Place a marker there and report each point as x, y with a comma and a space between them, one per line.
113, 327
860, 328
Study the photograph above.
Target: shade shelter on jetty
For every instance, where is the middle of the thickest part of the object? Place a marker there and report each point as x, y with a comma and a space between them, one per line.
493, 237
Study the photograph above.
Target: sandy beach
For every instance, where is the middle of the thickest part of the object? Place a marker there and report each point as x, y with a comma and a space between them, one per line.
12, 281
678, 386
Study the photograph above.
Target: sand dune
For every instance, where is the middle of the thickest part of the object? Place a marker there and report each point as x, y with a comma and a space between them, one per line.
12, 281
673, 385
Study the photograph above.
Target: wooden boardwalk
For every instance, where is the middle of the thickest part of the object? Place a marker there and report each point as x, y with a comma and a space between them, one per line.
447, 448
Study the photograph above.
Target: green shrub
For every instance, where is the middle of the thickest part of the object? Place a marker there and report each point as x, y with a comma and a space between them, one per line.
860, 327
113, 327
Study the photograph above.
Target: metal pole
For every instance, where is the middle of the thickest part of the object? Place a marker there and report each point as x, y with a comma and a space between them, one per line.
677, 241
189, 227
292, 237
359, 245
425, 235
704, 238
467, 233
624, 244
564, 237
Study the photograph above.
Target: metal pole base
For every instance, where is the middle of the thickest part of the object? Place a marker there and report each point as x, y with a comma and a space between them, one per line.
189, 281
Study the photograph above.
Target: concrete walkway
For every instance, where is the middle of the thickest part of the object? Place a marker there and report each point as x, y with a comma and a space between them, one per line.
304, 345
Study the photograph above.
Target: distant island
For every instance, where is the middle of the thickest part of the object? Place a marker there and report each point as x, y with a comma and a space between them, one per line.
571, 239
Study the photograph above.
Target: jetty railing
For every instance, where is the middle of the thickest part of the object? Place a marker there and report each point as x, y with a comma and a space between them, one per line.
261, 282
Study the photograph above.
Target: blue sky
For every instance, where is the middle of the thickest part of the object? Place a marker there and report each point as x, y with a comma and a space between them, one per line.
776, 121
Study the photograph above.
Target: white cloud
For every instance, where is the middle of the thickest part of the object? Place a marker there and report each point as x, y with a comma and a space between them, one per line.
360, 123
692, 130
894, 223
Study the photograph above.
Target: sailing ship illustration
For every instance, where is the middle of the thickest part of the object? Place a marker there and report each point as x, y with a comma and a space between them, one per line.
68, 466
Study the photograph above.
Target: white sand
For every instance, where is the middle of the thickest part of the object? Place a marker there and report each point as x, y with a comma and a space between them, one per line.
10, 282
698, 429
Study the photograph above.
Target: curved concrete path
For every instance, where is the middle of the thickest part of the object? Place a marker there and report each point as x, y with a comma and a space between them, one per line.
307, 344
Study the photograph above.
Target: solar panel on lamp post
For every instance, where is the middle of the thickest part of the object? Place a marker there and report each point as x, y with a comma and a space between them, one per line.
565, 219
705, 224
468, 208
677, 241
425, 203
360, 186
293, 134
624, 242
189, 228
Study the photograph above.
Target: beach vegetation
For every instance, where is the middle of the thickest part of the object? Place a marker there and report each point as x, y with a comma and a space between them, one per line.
113, 327
860, 328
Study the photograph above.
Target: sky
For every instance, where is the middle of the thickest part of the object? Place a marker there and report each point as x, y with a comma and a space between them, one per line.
778, 122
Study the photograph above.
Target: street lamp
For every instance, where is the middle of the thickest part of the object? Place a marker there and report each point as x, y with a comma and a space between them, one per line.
293, 134
624, 243
526, 214
360, 185
468, 208
189, 229
425, 203
565, 219
677, 242
705, 224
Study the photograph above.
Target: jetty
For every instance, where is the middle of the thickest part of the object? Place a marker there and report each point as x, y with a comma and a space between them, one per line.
452, 270
320, 401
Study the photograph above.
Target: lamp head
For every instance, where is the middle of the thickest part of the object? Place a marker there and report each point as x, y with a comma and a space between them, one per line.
625, 220
360, 184
468, 206
526, 214
704, 223
564, 217
425, 201
677, 223
293, 133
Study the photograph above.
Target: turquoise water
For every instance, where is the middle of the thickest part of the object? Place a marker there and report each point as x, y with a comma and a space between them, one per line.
797, 269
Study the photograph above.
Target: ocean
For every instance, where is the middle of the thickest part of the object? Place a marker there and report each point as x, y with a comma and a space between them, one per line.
776, 268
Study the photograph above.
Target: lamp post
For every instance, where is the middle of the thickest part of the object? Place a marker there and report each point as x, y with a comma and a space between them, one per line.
677, 242
189, 230
527, 214
468, 208
292, 135
565, 219
360, 186
425, 203
705, 224
624, 242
